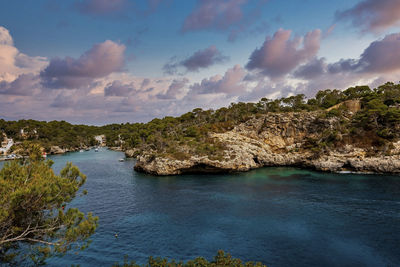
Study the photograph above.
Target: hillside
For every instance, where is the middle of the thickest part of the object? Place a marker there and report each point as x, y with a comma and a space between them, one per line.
352, 130
336, 130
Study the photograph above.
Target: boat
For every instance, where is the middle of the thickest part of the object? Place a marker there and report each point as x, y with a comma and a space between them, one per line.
81, 150
96, 150
121, 160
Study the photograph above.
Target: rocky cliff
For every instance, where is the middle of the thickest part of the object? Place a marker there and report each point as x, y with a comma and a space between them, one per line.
281, 139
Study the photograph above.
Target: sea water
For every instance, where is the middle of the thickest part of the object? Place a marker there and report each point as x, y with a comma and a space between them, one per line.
279, 216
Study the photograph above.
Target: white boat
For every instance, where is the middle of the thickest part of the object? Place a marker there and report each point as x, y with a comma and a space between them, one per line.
121, 160
81, 150
96, 150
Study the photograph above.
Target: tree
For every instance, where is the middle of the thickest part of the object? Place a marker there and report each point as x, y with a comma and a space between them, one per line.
357, 92
34, 221
220, 260
328, 98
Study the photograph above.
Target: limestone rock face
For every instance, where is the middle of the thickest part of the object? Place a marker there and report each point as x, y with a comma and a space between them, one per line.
353, 105
276, 139
131, 153
57, 150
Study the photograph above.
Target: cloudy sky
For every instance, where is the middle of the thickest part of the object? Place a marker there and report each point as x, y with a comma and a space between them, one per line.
104, 61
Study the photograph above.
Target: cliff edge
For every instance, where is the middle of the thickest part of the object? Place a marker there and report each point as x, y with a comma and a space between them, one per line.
301, 139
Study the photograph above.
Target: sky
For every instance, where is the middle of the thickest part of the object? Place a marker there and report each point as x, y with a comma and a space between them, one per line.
115, 61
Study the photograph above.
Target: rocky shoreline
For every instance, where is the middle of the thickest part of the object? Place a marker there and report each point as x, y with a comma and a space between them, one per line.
336, 164
276, 139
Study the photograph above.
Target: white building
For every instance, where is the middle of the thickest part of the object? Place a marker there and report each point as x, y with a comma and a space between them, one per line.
6, 145
101, 139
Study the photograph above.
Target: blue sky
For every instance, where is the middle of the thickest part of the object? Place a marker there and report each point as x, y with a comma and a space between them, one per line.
216, 51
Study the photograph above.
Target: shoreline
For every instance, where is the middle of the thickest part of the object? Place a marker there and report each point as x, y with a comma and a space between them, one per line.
206, 171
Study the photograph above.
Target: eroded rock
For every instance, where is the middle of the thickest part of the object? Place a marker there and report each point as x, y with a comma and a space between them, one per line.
276, 139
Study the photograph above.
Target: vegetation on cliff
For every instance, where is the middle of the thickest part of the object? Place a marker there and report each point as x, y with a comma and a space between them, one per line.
375, 123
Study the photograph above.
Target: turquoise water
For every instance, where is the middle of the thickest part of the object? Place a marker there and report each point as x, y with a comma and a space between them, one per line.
280, 216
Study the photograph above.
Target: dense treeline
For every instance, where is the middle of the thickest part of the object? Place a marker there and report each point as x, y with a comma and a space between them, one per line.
378, 118
50, 133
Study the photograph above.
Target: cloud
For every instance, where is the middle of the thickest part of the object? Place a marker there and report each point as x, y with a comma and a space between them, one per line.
279, 55
101, 60
201, 59
214, 14
231, 83
224, 15
63, 100
18, 72
373, 15
24, 85
100, 7
145, 83
378, 63
116, 8
5, 37
14, 63
117, 88
268, 89
380, 57
174, 89
312, 69
152, 6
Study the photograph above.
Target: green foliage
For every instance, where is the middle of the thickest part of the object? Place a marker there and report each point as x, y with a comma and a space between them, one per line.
53, 133
178, 137
34, 221
220, 260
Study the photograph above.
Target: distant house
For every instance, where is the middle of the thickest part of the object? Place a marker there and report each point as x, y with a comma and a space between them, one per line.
101, 139
6, 144
26, 133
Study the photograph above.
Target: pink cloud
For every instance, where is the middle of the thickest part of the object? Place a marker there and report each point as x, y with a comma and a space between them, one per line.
380, 57
230, 83
100, 7
233, 16
201, 59
24, 85
312, 69
14, 63
101, 60
373, 15
214, 14
280, 54
117, 88
5, 37
174, 89
115, 8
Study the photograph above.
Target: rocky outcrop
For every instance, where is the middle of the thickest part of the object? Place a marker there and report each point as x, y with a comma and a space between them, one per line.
275, 140
131, 153
57, 150
353, 105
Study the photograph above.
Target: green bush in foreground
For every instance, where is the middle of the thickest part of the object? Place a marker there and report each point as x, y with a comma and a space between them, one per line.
34, 223
220, 260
